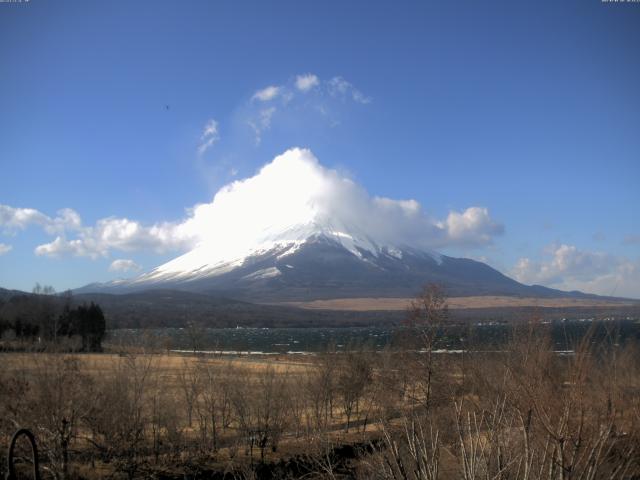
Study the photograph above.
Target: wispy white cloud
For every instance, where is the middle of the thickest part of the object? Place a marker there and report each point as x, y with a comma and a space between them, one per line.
261, 122
266, 94
4, 248
13, 219
631, 240
569, 268
292, 103
210, 135
306, 82
339, 87
124, 265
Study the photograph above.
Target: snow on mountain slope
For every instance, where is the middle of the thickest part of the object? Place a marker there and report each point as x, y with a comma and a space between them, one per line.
299, 230
207, 261
320, 266
289, 201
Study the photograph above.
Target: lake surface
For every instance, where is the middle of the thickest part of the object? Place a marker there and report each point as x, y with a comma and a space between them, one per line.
565, 335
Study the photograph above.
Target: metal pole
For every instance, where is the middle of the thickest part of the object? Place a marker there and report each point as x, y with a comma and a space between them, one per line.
11, 475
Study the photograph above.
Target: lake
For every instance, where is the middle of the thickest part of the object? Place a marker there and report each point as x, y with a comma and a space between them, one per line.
565, 335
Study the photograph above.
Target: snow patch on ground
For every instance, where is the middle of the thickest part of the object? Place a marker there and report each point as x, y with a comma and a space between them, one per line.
263, 273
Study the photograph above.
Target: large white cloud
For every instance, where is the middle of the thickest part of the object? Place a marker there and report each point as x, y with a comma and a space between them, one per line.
295, 189
119, 234
569, 268
292, 190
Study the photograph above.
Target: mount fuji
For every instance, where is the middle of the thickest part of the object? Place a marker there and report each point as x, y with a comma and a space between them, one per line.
324, 264
298, 231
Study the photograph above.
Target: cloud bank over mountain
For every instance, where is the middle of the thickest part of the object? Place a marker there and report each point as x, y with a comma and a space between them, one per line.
292, 189
296, 189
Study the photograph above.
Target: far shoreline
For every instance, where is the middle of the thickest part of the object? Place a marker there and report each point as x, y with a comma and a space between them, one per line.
367, 304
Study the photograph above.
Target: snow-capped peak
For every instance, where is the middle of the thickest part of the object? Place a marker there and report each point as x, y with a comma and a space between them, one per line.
208, 259
289, 202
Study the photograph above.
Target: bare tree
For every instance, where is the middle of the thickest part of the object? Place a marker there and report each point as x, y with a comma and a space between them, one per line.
320, 388
188, 380
209, 403
411, 452
58, 397
426, 317
353, 376
116, 425
195, 333
261, 407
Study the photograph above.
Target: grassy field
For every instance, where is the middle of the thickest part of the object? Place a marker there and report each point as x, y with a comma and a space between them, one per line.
357, 414
168, 365
185, 386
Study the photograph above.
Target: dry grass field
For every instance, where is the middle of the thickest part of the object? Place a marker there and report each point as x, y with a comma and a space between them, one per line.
523, 413
397, 304
168, 365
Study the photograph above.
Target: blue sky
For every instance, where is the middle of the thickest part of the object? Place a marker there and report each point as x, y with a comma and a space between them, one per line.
530, 110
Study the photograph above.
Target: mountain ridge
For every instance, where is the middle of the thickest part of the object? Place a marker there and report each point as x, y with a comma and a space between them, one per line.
321, 267
179, 309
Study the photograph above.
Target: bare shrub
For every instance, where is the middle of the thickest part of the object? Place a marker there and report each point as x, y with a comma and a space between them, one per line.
320, 386
546, 416
353, 376
116, 424
410, 452
189, 382
261, 408
520, 412
50, 398
210, 403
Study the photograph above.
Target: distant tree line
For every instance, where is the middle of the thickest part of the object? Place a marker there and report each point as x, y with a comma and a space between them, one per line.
45, 317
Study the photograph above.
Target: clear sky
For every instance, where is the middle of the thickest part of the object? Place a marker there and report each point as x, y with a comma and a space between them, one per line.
128, 114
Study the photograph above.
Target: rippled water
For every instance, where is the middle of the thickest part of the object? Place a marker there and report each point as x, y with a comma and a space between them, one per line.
565, 335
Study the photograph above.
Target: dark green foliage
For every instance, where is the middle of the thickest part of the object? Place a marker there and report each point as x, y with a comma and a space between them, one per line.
50, 318
22, 315
88, 322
